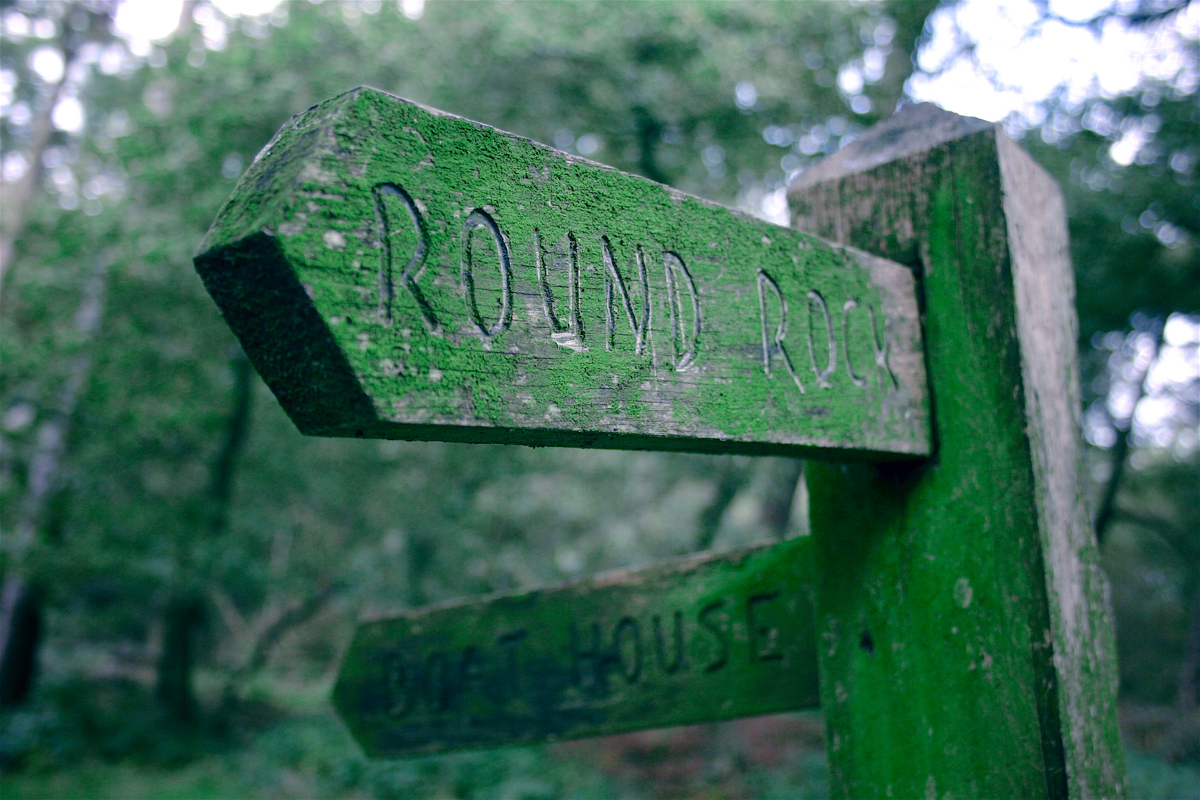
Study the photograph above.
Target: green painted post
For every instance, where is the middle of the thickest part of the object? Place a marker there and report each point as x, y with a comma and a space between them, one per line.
966, 649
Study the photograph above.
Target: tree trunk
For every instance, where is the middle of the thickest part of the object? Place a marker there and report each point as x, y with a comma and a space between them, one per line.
225, 468
421, 551
19, 197
184, 613
20, 606
1120, 450
649, 130
174, 688
22, 620
295, 616
18, 200
732, 479
1189, 674
781, 494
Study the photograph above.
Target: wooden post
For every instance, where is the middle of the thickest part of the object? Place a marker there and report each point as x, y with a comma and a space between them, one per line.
964, 643
966, 648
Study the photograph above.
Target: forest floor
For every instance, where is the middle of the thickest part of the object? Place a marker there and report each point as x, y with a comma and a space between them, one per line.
102, 739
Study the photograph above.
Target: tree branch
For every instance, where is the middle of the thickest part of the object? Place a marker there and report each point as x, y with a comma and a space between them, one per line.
732, 479
18, 201
1120, 450
221, 490
294, 616
781, 494
1166, 531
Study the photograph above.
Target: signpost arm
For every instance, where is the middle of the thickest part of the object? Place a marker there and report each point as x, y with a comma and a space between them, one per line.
711, 636
398, 272
966, 648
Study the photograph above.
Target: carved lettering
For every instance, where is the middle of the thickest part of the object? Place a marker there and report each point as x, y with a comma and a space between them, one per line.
685, 341
719, 631
476, 679
570, 335
823, 375
439, 682
677, 663
764, 639
847, 307
881, 351
481, 219
631, 667
471, 670
682, 300
772, 346
397, 675
564, 317
612, 277
408, 277
594, 655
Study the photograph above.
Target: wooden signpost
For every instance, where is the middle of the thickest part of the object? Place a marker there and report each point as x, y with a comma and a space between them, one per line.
705, 638
396, 272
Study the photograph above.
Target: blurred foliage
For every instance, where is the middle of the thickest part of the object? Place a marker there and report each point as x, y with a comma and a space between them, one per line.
306, 754
1135, 228
166, 142
720, 99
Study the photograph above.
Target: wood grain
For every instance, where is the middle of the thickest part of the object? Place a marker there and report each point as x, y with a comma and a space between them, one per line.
398, 272
975, 576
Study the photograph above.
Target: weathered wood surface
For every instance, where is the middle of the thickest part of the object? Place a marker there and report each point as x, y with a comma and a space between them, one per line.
966, 649
397, 272
704, 638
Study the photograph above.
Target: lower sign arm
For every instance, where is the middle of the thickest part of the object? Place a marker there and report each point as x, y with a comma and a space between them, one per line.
710, 637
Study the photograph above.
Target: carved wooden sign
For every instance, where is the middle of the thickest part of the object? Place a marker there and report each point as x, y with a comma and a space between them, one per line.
397, 272
704, 638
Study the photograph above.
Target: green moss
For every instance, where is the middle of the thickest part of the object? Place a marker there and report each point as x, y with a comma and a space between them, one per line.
701, 639
316, 190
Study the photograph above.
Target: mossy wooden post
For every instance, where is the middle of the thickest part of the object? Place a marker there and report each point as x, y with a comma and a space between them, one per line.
397, 272
712, 636
394, 271
966, 649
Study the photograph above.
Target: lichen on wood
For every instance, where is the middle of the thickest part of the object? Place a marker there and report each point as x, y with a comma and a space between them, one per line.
975, 575
709, 637
398, 272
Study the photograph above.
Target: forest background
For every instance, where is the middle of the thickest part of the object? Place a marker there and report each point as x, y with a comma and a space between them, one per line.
182, 569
